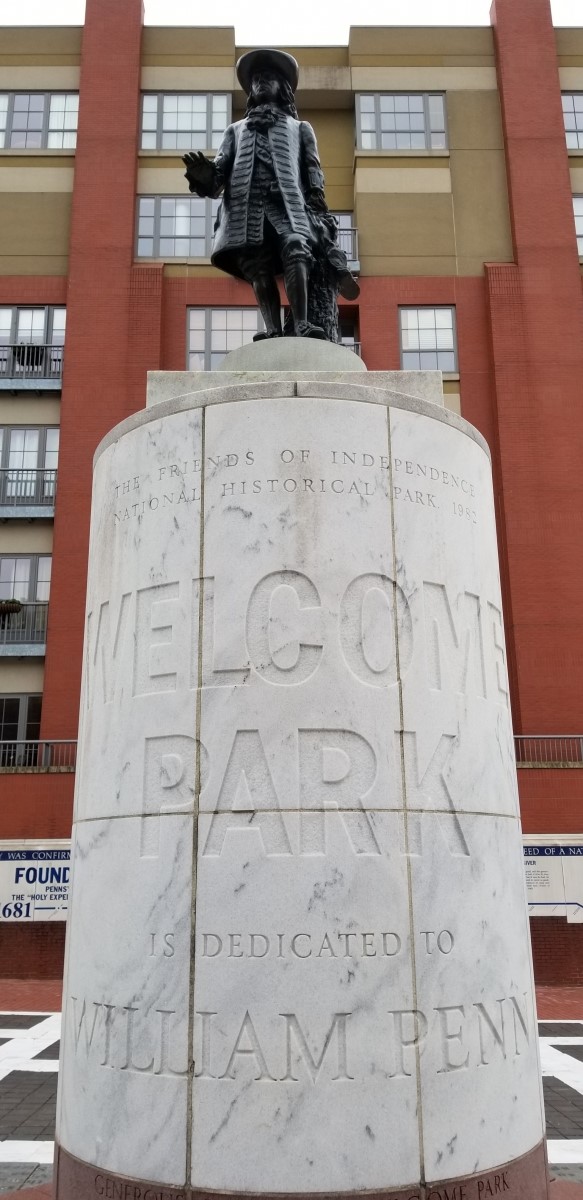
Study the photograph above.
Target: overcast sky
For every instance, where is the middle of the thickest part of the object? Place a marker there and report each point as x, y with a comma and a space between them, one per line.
285, 22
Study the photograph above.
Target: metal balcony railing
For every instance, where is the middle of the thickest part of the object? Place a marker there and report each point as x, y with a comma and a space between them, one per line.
348, 241
32, 755
24, 487
31, 361
541, 750
25, 628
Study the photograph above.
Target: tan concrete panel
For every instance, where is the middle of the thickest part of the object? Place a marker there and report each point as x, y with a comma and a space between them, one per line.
40, 44
335, 135
474, 121
192, 270
21, 676
402, 265
571, 78
24, 409
16, 178
32, 264
190, 44
482, 220
340, 199
423, 79
324, 78
401, 179
413, 158
313, 56
15, 157
569, 43
166, 179
39, 78
444, 41
26, 537
577, 180
36, 227
403, 224
188, 79
453, 402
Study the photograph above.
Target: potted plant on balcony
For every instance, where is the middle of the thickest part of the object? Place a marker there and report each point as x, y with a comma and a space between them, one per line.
10, 606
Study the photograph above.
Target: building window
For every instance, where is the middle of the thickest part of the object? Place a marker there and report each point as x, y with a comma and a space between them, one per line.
31, 342
401, 121
213, 332
39, 326
28, 465
348, 237
578, 210
348, 330
38, 120
184, 122
573, 118
25, 577
428, 341
19, 721
175, 226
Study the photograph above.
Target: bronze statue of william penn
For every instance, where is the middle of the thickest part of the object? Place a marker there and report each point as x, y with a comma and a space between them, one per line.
273, 218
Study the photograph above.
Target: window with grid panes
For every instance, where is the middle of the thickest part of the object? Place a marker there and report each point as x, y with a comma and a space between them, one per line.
28, 463
39, 325
175, 226
213, 332
347, 235
39, 120
25, 577
573, 119
428, 340
63, 118
184, 121
19, 721
578, 211
401, 121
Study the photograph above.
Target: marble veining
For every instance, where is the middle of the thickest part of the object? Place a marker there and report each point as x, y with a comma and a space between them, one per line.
296, 757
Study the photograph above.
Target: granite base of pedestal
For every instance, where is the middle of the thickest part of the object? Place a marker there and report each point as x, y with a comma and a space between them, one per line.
297, 959
518, 1180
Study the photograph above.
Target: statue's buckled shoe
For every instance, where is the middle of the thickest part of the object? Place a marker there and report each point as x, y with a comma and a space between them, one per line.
305, 329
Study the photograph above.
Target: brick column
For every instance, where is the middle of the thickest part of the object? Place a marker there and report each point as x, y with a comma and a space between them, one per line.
536, 312
96, 376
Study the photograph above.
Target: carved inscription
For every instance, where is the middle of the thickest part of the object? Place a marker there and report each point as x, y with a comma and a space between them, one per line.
495, 1183
335, 472
300, 946
146, 640
287, 1047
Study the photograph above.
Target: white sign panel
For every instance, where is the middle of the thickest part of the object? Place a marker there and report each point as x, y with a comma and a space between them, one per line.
34, 881
554, 877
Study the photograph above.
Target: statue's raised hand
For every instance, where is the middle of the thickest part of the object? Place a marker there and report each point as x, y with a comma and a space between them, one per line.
200, 173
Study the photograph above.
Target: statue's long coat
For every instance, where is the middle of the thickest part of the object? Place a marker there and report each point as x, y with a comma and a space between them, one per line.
297, 169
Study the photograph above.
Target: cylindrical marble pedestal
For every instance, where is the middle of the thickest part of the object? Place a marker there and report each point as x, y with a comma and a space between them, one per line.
297, 953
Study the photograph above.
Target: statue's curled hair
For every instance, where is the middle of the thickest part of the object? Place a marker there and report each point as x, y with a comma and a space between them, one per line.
285, 100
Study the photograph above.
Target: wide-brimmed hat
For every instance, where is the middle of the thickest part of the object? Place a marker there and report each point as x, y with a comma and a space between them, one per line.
260, 60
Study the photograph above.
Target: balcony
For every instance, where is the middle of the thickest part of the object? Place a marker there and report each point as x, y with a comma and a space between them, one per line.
27, 492
24, 634
348, 241
31, 365
38, 756
559, 750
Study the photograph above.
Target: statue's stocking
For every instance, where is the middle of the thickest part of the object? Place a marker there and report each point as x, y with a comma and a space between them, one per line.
267, 296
